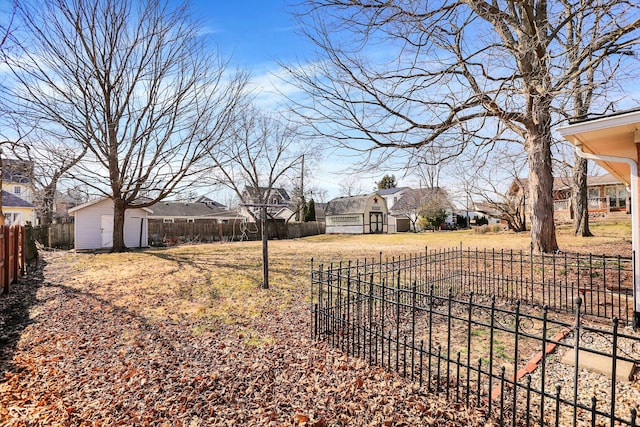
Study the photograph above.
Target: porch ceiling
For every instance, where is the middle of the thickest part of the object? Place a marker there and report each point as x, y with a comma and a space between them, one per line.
614, 135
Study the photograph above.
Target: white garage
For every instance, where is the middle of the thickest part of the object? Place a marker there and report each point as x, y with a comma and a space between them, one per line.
93, 226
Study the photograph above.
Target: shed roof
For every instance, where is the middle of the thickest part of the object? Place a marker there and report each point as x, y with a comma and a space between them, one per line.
96, 201
348, 205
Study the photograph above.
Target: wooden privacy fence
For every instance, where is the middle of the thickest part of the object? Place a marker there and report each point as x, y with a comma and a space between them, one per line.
59, 236
174, 233
12, 255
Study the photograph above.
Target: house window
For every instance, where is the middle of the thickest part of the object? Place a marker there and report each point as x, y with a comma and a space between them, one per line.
11, 217
191, 220
617, 196
17, 189
345, 219
167, 220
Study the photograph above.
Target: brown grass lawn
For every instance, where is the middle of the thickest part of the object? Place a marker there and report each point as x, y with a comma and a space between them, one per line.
186, 336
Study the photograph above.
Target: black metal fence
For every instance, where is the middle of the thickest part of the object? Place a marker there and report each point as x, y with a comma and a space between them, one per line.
490, 352
605, 283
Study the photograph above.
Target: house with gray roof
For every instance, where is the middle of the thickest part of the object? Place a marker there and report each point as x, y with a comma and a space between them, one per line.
357, 215
17, 210
278, 203
404, 214
18, 192
174, 212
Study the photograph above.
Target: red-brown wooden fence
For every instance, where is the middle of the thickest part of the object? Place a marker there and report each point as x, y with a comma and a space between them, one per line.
12, 255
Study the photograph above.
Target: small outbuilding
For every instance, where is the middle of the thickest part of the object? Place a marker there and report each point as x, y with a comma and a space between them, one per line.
357, 215
93, 226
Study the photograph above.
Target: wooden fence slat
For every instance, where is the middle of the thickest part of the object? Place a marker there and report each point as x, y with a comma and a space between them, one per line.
12, 255
3, 280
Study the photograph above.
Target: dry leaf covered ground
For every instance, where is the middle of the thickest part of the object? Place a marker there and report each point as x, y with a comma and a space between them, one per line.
185, 336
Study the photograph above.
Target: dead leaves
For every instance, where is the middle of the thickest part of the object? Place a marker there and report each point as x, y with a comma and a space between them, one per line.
89, 362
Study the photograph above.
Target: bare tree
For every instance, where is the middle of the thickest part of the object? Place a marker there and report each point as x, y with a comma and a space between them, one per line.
261, 152
422, 202
584, 86
5, 33
134, 83
495, 180
456, 73
352, 186
51, 157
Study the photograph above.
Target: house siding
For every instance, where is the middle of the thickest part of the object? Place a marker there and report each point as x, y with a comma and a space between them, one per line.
88, 223
23, 215
352, 215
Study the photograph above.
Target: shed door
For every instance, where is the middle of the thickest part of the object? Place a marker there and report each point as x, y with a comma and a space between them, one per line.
106, 230
375, 222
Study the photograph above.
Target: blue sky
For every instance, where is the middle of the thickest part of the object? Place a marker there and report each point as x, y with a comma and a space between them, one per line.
256, 34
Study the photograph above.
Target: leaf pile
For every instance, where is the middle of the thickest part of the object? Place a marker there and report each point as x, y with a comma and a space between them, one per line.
82, 359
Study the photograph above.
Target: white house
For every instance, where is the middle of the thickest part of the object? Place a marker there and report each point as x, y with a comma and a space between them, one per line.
93, 226
357, 215
396, 223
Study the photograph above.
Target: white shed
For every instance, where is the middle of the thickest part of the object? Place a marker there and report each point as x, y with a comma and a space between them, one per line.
93, 225
357, 215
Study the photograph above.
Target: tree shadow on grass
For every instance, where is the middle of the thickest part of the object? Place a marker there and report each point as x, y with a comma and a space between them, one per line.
14, 312
205, 264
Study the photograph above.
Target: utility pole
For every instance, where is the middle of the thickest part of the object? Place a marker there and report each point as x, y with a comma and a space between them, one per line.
302, 200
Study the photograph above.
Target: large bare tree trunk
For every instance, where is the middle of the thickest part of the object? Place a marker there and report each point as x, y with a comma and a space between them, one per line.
465, 73
119, 209
48, 198
543, 228
580, 201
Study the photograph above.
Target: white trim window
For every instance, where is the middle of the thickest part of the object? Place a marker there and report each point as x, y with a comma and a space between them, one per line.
167, 220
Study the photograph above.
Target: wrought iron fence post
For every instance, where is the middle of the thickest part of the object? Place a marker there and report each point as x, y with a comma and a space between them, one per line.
543, 361
470, 307
576, 346
491, 335
614, 363
515, 359
413, 326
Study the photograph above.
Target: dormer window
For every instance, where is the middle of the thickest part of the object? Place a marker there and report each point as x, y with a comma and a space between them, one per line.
17, 189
